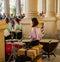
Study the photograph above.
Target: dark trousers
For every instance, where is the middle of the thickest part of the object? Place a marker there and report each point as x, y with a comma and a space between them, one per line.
17, 35
8, 37
32, 43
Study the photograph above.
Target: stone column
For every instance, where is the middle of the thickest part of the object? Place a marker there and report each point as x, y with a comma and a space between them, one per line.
18, 7
58, 9
56, 6
31, 8
50, 20
3, 26
58, 14
39, 6
44, 6
7, 7
31, 11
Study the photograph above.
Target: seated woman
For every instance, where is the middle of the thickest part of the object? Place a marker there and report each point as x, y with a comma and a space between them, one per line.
17, 29
8, 30
36, 34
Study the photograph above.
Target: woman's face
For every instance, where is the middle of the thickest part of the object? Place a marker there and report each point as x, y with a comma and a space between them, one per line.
31, 23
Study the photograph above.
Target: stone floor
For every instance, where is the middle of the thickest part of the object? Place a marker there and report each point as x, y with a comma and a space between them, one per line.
52, 58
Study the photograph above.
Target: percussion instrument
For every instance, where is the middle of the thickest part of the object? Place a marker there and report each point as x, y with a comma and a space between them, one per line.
11, 40
13, 43
18, 44
11, 47
49, 45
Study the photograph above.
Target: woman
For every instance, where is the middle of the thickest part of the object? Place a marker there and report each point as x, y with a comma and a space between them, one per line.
35, 32
18, 29
8, 30
18, 25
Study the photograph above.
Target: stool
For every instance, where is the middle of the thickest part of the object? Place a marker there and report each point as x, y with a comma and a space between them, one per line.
30, 53
38, 48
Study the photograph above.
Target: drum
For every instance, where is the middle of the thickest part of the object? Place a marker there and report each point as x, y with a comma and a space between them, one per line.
15, 47
19, 45
49, 44
8, 45
8, 49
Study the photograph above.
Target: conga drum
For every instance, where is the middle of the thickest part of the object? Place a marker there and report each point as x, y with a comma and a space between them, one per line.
8, 49
19, 44
8, 46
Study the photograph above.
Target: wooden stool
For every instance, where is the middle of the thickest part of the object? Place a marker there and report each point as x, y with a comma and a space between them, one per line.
31, 53
21, 51
38, 49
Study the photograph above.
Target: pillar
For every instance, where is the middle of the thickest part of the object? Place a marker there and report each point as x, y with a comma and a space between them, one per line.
58, 9
40, 6
44, 6
56, 6
50, 20
7, 7
31, 8
3, 26
18, 7
58, 15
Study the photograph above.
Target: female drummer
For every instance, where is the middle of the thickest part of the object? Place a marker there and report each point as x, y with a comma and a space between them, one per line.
8, 30
36, 34
18, 28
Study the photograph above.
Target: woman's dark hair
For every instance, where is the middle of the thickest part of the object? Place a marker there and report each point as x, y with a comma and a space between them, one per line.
35, 22
17, 20
7, 20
